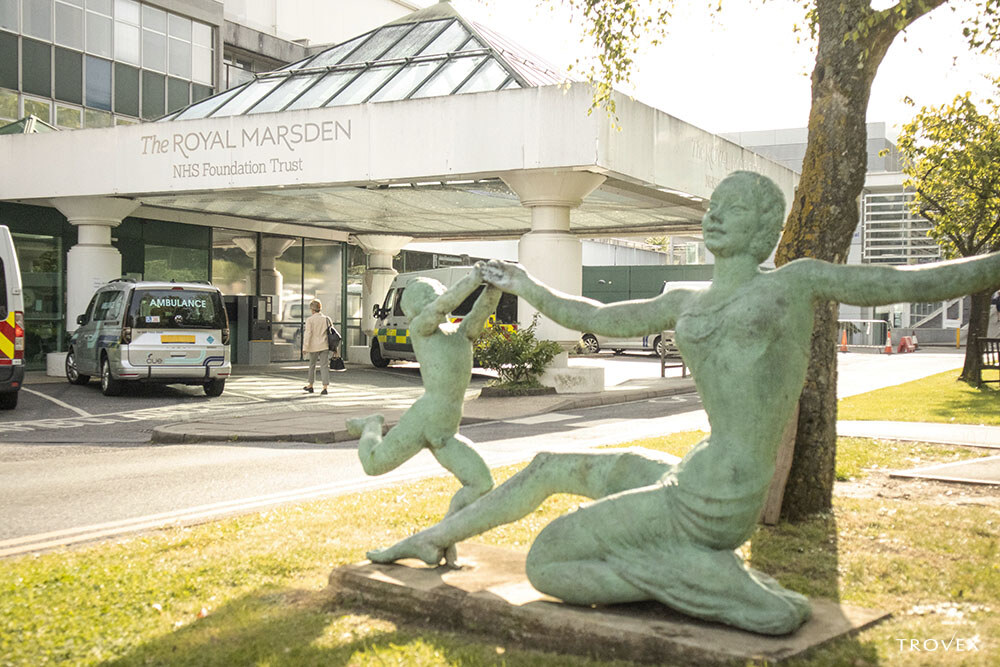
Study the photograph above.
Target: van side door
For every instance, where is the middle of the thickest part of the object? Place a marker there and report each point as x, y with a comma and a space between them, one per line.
84, 339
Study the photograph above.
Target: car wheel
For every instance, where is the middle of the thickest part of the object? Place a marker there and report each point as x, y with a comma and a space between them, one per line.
72, 372
109, 385
660, 347
378, 361
590, 344
8, 400
215, 387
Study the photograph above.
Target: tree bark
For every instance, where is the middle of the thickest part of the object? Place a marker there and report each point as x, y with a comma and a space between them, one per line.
822, 220
979, 326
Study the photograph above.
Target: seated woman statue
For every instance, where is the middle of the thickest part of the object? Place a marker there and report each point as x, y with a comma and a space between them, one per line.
667, 532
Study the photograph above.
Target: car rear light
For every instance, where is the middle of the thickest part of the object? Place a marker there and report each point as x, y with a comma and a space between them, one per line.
18, 334
225, 336
126, 335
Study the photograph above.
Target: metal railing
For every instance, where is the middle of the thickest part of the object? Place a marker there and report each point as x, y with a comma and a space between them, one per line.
863, 333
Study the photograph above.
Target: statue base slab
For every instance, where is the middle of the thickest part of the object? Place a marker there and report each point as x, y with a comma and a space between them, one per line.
490, 595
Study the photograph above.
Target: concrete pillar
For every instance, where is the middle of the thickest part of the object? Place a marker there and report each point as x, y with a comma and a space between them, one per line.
93, 261
271, 280
380, 248
549, 251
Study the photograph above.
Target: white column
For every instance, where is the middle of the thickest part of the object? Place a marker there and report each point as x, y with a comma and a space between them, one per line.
381, 248
93, 261
549, 251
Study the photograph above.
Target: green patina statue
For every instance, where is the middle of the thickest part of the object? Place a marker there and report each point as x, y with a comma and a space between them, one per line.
444, 350
668, 532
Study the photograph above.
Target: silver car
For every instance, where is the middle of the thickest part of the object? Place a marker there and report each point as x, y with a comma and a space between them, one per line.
162, 332
661, 344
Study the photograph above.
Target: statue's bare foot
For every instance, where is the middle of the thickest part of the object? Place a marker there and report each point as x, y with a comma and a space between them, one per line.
451, 557
357, 425
412, 547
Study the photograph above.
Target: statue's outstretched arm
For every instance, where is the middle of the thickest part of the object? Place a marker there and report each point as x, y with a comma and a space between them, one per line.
487, 302
874, 285
437, 311
626, 318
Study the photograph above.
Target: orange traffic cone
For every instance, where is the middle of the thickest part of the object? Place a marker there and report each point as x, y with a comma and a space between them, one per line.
888, 342
843, 341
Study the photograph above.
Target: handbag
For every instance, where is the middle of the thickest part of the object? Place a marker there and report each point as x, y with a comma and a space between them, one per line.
336, 364
332, 335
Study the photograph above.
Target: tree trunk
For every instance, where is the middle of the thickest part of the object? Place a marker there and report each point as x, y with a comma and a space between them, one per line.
979, 326
821, 223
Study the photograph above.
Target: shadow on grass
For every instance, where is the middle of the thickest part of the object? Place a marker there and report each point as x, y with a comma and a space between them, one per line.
804, 557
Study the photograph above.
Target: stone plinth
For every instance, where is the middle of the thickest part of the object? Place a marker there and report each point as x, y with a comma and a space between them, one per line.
491, 595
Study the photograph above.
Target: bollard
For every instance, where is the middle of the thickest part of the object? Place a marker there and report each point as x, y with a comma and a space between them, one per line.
958, 338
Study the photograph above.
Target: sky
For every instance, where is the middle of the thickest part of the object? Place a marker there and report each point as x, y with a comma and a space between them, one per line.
745, 69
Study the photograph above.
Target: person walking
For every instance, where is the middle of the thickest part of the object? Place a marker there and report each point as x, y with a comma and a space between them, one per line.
314, 343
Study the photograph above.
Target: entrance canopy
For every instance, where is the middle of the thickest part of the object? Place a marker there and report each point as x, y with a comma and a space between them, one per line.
413, 129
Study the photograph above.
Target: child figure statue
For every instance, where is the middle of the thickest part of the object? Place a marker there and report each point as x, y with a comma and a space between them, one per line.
445, 352
668, 532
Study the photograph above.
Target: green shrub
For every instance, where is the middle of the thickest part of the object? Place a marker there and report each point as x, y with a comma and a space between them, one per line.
517, 356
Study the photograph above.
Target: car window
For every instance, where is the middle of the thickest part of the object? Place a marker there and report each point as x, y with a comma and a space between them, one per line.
108, 307
3, 291
397, 307
176, 308
89, 313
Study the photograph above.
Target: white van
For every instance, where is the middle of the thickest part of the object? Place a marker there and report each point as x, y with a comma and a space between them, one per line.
392, 327
660, 343
11, 323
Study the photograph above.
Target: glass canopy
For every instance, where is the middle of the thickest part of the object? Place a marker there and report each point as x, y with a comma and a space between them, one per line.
431, 52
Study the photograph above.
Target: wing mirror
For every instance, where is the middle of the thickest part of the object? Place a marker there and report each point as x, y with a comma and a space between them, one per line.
81, 319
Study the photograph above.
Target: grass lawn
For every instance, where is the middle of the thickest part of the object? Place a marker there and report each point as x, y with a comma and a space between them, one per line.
250, 590
938, 398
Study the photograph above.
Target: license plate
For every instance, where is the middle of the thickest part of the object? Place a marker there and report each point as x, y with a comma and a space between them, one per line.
165, 338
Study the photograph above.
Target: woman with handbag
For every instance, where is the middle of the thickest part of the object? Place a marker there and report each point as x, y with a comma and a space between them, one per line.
314, 342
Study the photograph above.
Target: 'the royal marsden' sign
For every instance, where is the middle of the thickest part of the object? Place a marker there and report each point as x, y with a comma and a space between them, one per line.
275, 149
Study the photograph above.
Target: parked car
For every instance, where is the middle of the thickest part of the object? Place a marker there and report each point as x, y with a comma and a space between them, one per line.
162, 332
662, 343
11, 323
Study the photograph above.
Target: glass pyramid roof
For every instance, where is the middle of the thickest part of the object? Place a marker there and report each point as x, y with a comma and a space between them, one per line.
431, 52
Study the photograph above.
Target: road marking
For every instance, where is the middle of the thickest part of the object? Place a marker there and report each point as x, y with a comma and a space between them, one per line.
82, 413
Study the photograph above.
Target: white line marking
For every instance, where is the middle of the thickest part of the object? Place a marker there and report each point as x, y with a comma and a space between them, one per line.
82, 413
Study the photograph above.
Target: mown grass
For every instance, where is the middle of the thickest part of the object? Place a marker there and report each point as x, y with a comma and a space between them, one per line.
938, 398
250, 590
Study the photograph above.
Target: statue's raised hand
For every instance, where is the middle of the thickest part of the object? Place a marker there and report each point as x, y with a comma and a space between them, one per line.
506, 275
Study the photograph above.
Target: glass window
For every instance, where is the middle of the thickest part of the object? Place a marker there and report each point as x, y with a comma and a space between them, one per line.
69, 25
102, 6
199, 93
333, 56
127, 43
9, 15
287, 305
173, 308
95, 118
285, 93
380, 40
207, 106
126, 90
488, 77
449, 77
201, 34
154, 19
322, 277
39, 108
36, 67
248, 96
98, 83
472, 45
108, 306
415, 40
121, 120
69, 117
99, 30
127, 10
178, 94
69, 76
154, 102
201, 64
179, 27
8, 61
234, 269
180, 58
37, 16
318, 95
8, 105
448, 41
363, 86
154, 50
405, 81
